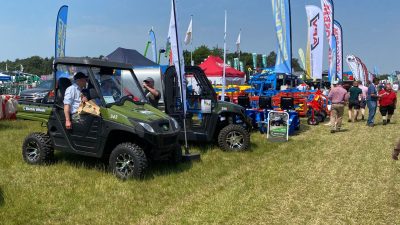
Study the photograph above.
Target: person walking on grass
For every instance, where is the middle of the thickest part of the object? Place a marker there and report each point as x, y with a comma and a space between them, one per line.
372, 99
337, 96
387, 103
396, 151
363, 102
355, 94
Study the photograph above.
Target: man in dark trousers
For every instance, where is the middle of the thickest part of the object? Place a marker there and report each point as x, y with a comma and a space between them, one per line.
372, 99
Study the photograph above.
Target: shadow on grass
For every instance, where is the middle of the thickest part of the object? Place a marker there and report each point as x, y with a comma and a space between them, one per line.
1, 197
91, 163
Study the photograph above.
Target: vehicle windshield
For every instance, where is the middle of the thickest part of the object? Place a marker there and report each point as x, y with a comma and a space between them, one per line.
47, 84
116, 83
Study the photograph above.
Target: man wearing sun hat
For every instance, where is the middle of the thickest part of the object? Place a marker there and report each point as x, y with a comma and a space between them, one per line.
73, 97
152, 94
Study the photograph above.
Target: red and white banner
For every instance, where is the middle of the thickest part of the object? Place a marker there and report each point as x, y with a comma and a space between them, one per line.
358, 68
315, 39
338, 33
327, 8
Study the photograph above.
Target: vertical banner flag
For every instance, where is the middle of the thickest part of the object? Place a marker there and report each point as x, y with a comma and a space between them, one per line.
264, 61
302, 58
332, 68
177, 53
255, 60
327, 8
61, 31
353, 65
236, 63
338, 32
281, 13
241, 66
315, 39
238, 42
188, 37
153, 44
308, 58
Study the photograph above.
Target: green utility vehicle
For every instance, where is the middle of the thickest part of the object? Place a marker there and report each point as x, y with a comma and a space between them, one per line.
207, 119
129, 132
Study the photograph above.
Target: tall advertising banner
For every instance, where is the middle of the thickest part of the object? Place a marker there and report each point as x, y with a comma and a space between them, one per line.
353, 64
308, 59
254, 60
153, 44
61, 31
338, 32
177, 53
281, 13
316, 39
332, 68
328, 10
302, 58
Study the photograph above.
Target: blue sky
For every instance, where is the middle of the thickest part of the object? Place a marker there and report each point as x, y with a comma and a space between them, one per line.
97, 27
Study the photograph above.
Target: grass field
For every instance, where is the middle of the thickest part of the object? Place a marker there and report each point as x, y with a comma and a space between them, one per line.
315, 178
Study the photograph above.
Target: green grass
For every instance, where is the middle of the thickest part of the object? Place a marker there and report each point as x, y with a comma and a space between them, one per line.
315, 178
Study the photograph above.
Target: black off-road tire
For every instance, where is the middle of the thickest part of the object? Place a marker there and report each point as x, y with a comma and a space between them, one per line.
234, 138
37, 149
128, 160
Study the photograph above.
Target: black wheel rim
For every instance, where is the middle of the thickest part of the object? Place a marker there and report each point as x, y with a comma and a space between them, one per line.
124, 164
235, 140
32, 151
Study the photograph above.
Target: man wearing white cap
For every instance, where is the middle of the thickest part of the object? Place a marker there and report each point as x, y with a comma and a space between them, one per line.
152, 94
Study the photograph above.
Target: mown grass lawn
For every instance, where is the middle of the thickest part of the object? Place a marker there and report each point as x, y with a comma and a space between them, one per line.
315, 178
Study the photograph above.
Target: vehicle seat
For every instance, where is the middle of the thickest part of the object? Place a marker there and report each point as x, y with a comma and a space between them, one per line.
63, 84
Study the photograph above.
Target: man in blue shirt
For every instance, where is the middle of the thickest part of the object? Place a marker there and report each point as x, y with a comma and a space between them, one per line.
73, 98
372, 99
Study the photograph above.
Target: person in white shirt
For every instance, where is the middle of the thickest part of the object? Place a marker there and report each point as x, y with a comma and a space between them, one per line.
73, 98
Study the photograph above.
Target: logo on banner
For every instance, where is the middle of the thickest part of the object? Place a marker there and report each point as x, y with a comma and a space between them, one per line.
327, 19
314, 25
62, 29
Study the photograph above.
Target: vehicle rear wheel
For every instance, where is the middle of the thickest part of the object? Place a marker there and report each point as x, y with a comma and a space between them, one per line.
234, 138
37, 149
128, 160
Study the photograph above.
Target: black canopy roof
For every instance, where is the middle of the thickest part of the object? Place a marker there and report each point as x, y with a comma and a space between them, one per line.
130, 56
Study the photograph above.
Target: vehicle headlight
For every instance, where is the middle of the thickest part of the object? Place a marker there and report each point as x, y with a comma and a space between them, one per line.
40, 95
147, 127
176, 124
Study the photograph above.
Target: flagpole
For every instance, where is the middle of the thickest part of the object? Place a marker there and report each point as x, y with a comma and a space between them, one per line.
191, 43
224, 69
240, 33
179, 73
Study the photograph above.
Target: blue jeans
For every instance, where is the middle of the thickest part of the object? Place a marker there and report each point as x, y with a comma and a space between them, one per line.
371, 111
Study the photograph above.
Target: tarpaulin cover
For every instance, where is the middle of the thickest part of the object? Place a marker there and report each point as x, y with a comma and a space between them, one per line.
130, 56
213, 67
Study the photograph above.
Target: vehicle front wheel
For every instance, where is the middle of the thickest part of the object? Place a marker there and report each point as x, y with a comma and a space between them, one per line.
234, 138
37, 149
128, 160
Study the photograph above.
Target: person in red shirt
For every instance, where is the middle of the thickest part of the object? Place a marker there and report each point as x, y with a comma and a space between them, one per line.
387, 103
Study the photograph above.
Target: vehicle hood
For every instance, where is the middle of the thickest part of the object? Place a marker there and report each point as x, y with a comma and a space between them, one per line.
34, 91
142, 112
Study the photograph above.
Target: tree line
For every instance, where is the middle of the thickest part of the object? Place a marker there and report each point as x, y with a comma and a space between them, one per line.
202, 52
43, 66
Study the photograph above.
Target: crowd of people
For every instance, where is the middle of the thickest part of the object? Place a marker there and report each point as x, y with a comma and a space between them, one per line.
359, 97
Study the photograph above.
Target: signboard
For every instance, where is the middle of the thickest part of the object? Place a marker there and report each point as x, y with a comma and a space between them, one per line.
278, 126
206, 105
